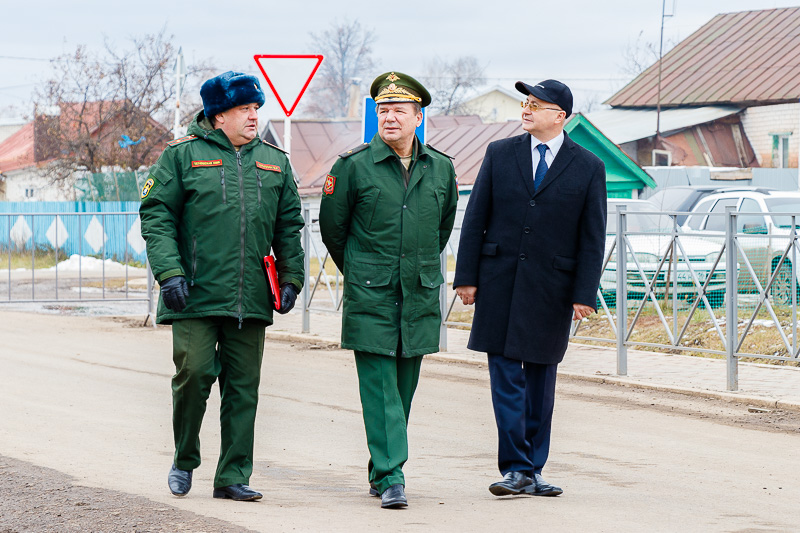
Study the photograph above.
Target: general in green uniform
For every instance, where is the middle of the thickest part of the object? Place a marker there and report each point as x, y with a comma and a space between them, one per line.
386, 214
212, 207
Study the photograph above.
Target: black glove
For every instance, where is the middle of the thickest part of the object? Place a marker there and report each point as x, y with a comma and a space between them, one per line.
174, 293
288, 297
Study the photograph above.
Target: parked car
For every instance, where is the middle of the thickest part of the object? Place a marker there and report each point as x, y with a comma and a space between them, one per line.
651, 235
763, 229
685, 197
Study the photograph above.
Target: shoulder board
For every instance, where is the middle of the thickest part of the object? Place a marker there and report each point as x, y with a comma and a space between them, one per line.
276, 147
181, 140
439, 151
355, 150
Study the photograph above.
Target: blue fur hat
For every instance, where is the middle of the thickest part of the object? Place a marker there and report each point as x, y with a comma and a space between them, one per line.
228, 90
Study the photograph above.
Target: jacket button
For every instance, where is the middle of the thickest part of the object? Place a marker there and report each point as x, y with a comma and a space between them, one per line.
402, 255
522, 257
532, 203
391, 353
368, 282
527, 230
405, 207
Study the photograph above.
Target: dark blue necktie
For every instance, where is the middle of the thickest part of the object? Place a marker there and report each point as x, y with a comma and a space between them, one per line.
541, 168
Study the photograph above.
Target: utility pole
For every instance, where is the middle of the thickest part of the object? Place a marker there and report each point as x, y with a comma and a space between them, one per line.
660, 56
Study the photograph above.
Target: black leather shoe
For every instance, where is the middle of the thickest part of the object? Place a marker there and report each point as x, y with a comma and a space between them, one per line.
239, 492
512, 483
180, 481
394, 497
373, 490
541, 487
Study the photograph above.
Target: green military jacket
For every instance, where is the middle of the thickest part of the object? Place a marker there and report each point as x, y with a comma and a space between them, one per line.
386, 239
211, 214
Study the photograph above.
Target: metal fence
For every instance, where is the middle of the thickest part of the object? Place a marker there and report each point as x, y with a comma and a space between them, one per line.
672, 290
59, 257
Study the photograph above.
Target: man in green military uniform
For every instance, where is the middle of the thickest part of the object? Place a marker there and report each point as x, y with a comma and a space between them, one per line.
212, 207
386, 214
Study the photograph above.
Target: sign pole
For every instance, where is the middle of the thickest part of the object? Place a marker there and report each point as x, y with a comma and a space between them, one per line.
287, 134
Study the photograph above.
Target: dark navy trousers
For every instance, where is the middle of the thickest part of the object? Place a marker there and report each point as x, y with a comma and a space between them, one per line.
523, 396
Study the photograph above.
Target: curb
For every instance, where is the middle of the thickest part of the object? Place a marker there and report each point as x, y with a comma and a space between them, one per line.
731, 397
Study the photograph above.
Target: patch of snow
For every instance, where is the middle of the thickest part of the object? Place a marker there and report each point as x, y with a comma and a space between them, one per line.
77, 263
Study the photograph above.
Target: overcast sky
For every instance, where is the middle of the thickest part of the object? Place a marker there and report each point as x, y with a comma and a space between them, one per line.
580, 42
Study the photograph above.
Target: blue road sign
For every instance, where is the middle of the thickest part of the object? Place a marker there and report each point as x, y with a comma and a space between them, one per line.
369, 124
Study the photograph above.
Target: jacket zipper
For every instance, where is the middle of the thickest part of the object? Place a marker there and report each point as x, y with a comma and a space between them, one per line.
242, 233
194, 258
258, 177
222, 182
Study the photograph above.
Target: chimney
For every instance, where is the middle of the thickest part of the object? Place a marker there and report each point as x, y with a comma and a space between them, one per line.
355, 98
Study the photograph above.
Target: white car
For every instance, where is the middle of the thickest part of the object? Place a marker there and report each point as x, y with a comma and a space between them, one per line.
650, 242
762, 228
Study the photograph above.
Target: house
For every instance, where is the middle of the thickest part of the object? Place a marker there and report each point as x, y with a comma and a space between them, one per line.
737, 78
96, 131
498, 104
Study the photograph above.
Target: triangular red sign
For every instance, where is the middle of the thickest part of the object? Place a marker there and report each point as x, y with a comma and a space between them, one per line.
317, 62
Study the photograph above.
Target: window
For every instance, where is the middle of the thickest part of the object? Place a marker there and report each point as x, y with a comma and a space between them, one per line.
750, 223
780, 150
717, 219
662, 158
29, 192
695, 221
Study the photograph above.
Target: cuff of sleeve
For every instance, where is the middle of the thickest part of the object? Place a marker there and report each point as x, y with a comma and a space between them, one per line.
170, 274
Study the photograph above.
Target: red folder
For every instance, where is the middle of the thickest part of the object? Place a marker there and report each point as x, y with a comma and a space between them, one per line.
272, 278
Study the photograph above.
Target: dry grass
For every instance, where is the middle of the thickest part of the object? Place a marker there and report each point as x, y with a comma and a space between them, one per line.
40, 258
700, 333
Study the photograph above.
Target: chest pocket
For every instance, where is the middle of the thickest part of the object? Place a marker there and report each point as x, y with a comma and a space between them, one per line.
367, 198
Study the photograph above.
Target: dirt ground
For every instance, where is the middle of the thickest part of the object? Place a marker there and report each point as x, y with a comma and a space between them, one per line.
37, 499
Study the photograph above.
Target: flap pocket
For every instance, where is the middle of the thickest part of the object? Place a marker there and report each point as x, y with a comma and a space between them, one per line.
489, 248
565, 263
431, 278
372, 277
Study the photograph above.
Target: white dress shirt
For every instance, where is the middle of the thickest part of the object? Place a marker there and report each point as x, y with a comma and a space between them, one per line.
553, 146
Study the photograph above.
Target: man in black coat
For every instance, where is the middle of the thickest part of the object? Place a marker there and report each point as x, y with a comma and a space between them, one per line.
530, 258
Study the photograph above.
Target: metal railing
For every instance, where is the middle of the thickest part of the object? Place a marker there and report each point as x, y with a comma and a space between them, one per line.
674, 288
80, 273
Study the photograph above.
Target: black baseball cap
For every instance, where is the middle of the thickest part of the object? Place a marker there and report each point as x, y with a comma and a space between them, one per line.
552, 91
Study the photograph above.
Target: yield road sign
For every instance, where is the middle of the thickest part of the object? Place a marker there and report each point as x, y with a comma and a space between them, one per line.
288, 76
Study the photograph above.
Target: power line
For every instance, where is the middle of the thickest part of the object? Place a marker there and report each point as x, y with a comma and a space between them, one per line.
26, 58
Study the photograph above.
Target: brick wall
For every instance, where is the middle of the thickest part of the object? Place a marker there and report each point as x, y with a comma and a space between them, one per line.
760, 122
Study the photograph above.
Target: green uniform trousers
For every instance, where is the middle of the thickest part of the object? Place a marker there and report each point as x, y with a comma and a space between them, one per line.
204, 350
387, 386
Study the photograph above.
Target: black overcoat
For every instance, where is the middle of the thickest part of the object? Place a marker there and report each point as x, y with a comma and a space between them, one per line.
532, 254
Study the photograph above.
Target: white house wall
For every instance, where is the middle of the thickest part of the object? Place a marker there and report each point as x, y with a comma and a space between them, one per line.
761, 122
17, 182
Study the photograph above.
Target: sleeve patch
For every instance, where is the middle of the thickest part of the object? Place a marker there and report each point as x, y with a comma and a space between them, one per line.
271, 168
211, 163
330, 182
147, 186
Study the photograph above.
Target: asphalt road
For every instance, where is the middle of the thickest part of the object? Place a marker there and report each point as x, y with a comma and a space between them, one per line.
89, 397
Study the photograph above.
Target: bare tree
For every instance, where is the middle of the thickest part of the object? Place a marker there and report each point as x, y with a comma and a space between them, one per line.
640, 55
108, 108
347, 48
452, 82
